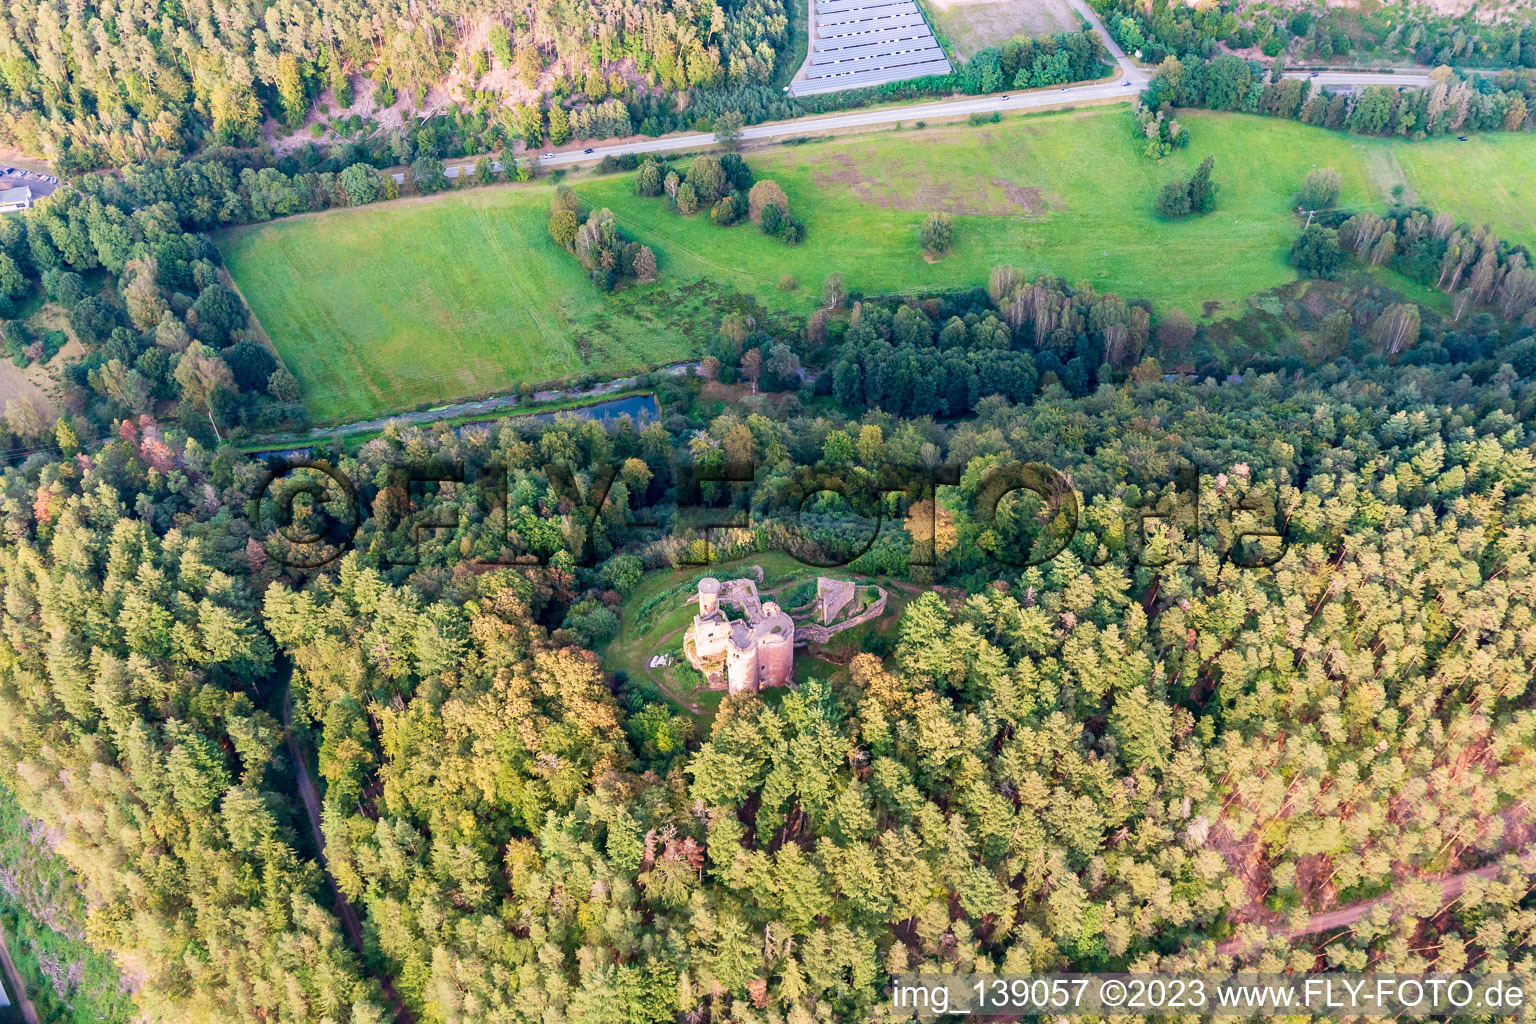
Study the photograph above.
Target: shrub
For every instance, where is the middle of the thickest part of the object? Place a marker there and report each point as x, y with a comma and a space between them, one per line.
729, 210
736, 171
763, 194
645, 264
708, 179
1319, 189
427, 175
360, 183
787, 283
64, 287
648, 181
562, 227
1179, 198
770, 219
687, 199
937, 233
1173, 199
1316, 252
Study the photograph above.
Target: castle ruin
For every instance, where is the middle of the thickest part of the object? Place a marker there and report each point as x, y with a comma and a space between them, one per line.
750, 652
743, 644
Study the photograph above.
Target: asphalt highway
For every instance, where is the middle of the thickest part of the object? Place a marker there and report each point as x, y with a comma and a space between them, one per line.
1128, 81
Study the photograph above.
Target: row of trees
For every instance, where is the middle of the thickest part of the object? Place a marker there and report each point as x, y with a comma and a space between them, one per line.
942, 357
1158, 29
1032, 63
1470, 263
1448, 105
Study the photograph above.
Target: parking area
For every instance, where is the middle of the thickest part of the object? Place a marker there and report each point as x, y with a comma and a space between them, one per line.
859, 43
39, 183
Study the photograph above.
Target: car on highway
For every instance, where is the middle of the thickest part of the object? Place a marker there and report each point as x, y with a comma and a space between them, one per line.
1314, 74
586, 151
547, 156
1126, 82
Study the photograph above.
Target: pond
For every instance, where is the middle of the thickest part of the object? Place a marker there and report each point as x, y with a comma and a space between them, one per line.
641, 408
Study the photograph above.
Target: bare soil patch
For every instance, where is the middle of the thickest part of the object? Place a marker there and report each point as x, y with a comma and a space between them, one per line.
1003, 198
1026, 197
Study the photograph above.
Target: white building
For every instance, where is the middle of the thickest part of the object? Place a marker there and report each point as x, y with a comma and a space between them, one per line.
14, 200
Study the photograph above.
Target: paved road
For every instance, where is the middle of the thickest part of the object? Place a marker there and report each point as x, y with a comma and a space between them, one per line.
1128, 81
1413, 77
1088, 14
821, 125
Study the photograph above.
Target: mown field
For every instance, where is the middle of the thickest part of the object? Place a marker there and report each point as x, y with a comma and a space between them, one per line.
384, 307
1070, 194
969, 25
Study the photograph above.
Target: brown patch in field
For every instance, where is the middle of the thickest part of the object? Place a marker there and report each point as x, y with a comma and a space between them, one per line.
40, 380
840, 170
927, 196
714, 391
1026, 197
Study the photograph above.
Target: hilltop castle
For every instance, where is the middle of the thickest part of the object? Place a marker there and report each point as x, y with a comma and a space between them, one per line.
742, 644
755, 650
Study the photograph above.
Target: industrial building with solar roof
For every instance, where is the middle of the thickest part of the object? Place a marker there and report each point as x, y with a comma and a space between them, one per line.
859, 43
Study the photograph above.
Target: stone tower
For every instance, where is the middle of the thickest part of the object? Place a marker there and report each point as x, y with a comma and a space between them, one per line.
775, 651
740, 665
709, 596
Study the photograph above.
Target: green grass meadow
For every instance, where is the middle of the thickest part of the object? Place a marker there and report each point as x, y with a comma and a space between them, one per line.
385, 307
1086, 210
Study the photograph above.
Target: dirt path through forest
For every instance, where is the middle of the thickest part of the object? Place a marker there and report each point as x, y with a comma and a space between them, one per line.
350, 920
13, 986
1451, 887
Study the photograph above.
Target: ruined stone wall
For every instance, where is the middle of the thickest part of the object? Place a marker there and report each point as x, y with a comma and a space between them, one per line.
821, 634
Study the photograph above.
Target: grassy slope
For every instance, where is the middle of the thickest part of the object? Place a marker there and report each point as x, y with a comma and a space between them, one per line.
1489, 178
387, 307
367, 305
862, 201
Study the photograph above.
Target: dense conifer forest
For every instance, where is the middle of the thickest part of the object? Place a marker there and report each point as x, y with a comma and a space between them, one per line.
1200, 626
1121, 756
